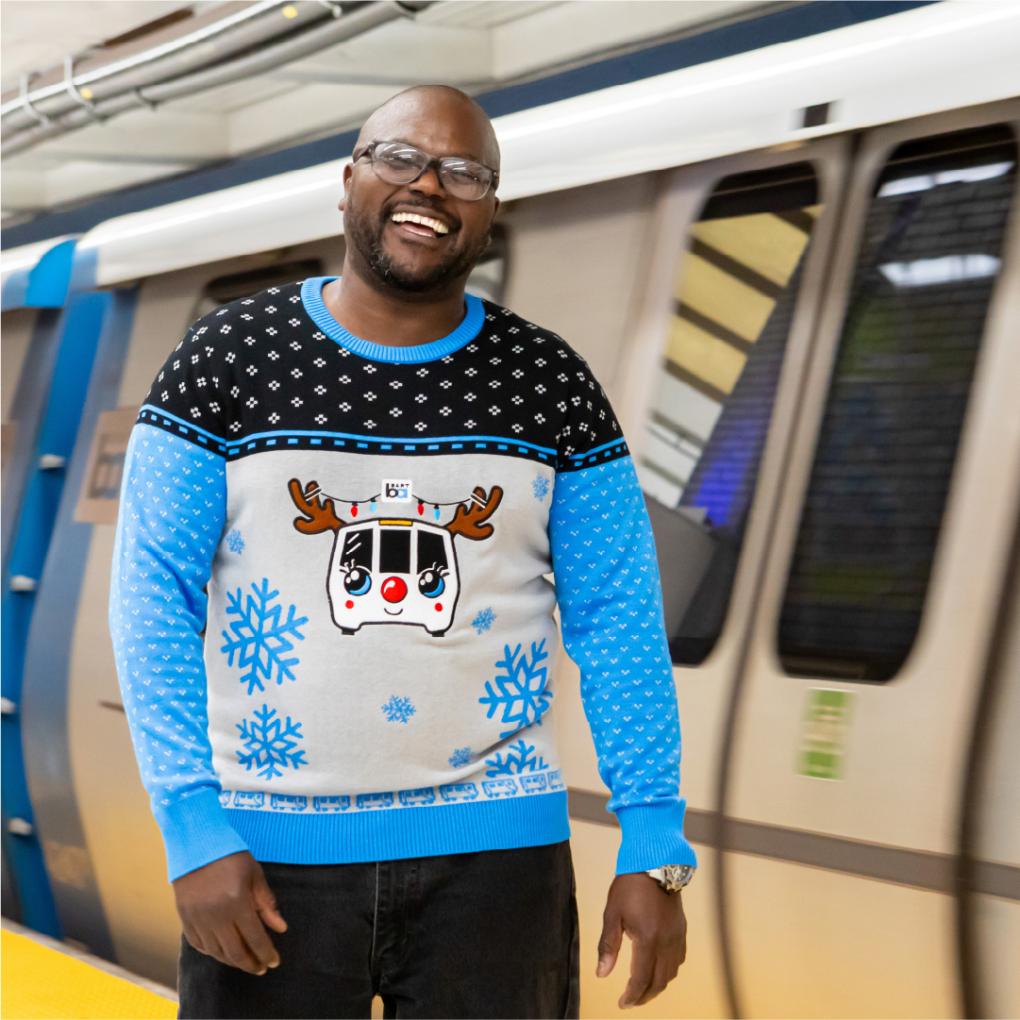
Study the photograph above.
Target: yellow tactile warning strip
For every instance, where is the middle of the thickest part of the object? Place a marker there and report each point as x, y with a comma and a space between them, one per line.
43, 983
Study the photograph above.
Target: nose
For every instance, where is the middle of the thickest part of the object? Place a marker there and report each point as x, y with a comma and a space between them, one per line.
429, 182
394, 589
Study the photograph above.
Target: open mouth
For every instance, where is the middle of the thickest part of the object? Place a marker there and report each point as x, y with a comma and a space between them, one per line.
419, 225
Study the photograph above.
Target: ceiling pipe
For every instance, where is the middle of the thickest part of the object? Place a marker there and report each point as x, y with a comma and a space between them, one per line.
363, 18
196, 48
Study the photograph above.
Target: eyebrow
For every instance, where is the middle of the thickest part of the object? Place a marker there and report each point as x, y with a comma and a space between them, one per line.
415, 145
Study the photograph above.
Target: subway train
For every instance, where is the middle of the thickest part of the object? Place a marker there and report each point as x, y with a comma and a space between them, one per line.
796, 271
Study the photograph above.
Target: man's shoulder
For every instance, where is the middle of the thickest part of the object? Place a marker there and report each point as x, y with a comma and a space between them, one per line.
281, 301
510, 325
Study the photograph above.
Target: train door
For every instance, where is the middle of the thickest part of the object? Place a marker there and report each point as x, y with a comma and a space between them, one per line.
845, 752
714, 375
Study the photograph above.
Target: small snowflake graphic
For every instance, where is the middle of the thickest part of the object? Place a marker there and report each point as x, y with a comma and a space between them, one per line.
483, 620
398, 709
540, 487
461, 756
261, 638
270, 743
520, 757
235, 543
522, 690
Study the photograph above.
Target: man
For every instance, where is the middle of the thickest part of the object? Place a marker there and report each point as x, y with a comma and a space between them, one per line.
355, 759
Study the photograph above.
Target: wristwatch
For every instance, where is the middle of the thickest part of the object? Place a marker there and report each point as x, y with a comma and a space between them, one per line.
672, 877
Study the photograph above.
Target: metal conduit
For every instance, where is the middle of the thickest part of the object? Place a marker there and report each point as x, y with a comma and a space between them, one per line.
315, 37
202, 45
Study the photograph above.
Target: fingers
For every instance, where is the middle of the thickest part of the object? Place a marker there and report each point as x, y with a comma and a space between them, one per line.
257, 940
609, 943
237, 952
664, 972
265, 903
642, 969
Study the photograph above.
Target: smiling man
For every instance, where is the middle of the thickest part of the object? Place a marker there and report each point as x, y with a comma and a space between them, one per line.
349, 743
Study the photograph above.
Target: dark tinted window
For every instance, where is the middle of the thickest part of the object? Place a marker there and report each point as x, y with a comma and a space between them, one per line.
928, 263
395, 551
358, 548
431, 552
733, 304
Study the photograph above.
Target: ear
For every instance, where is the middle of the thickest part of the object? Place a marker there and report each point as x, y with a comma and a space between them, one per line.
348, 172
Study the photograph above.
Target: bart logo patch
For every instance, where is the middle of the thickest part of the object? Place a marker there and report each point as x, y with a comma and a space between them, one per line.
397, 490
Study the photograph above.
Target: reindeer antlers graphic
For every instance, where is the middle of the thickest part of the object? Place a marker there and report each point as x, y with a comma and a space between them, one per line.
320, 513
469, 523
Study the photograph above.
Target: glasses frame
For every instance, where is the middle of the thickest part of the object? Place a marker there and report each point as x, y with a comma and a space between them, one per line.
439, 162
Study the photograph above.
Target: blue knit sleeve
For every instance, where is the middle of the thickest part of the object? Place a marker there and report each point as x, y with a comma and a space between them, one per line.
610, 599
172, 511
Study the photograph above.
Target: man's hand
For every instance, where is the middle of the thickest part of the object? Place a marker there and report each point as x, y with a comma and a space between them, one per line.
654, 920
222, 906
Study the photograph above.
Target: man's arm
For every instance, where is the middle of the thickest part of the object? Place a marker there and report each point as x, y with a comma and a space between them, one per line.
172, 513
172, 508
610, 599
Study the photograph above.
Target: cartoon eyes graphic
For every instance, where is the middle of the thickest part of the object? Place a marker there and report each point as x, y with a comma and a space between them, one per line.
431, 583
357, 581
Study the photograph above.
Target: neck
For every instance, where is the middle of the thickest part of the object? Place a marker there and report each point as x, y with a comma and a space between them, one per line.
386, 317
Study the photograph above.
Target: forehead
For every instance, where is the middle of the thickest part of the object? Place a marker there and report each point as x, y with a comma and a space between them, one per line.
439, 124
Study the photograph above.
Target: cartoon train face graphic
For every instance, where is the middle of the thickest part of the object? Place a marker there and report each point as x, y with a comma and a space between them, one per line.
393, 569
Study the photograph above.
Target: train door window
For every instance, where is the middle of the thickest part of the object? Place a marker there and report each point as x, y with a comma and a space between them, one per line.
357, 549
928, 262
430, 551
395, 551
235, 286
733, 305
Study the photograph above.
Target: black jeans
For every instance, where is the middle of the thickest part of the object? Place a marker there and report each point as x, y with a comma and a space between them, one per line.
485, 934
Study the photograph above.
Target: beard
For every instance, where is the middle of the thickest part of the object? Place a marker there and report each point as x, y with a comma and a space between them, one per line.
365, 235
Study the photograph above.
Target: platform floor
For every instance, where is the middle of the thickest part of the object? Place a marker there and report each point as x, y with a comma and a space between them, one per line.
43, 979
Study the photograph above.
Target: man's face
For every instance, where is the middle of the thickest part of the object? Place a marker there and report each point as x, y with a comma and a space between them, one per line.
394, 254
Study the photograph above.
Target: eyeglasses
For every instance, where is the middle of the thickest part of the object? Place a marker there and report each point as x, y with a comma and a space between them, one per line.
400, 163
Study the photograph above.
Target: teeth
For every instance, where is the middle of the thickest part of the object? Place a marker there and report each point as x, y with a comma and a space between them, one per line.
406, 217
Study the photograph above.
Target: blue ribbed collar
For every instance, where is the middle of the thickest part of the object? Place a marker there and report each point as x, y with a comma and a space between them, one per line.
466, 331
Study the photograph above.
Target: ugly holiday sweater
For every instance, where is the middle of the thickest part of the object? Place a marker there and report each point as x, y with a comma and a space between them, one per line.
369, 674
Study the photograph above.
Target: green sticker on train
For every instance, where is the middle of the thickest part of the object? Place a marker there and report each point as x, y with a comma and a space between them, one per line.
823, 737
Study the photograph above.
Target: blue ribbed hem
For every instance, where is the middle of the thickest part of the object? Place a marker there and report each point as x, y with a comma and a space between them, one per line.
391, 833
196, 832
470, 325
653, 835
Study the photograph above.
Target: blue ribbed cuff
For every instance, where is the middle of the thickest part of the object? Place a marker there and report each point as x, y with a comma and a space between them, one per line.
653, 835
195, 832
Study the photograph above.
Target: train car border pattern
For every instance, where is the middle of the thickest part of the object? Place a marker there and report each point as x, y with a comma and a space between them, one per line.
425, 796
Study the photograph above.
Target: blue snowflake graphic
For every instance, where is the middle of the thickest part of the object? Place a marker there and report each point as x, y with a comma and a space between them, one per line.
235, 543
540, 487
398, 709
522, 690
270, 743
260, 638
520, 757
461, 756
483, 620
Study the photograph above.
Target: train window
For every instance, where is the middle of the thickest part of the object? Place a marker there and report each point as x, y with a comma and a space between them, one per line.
733, 304
430, 551
358, 548
928, 261
395, 552
235, 286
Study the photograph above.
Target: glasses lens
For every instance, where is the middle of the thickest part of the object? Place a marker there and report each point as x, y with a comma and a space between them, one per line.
465, 179
398, 164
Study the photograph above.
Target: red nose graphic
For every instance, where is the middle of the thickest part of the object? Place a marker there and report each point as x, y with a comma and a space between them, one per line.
394, 590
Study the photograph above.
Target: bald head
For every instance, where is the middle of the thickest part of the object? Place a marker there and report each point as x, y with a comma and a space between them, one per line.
433, 110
